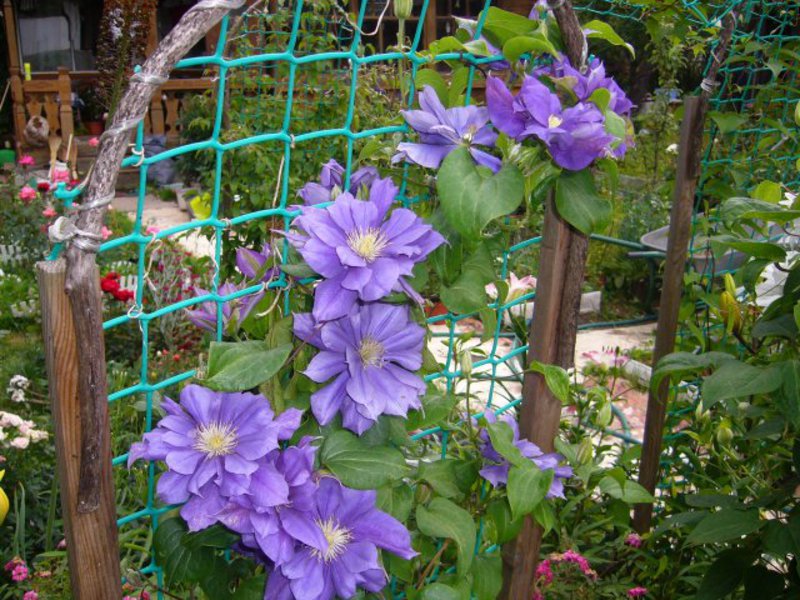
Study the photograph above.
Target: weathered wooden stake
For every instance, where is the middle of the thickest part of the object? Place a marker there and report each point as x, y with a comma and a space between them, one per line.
92, 548
680, 230
551, 338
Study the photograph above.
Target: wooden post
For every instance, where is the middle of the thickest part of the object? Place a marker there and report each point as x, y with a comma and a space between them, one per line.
680, 229
429, 25
92, 547
15, 72
65, 103
551, 338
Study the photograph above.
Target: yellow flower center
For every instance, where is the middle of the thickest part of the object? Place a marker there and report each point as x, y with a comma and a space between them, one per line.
337, 537
554, 121
367, 243
371, 352
215, 439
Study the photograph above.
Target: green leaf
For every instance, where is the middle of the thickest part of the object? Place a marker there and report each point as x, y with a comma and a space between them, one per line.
783, 326
579, 204
682, 363
432, 78
601, 98
768, 191
600, 30
470, 199
789, 398
396, 500
439, 591
238, 366
251, 589
534, 44
725, 525
502, 438
501, 25
545, 516
444, 519
358, 465
765, 250
797, 114
527, 487
487, 576
723, 576
468, 292
556, 379
633, 493
441, 476
735, 379
506, 527
435, 409
761, 583
735, 209
727, 122
182, 561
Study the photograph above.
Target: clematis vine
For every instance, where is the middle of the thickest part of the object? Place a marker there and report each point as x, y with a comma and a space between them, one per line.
442, 130
213, 444
331, 178
339, 546
362, 251
575, 136
496, 468
371, 355
234, 311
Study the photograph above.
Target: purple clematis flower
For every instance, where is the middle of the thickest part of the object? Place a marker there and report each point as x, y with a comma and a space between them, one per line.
372, 354
332, 176
282, 488
339, 547
575, 137
586, 84
213, 444
360, 252
495, 469
253, 264
443, 130
234, 311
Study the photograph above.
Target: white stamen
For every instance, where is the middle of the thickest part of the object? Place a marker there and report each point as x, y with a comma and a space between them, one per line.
367, 243
554, 121
215, 439
371, 352
337, 537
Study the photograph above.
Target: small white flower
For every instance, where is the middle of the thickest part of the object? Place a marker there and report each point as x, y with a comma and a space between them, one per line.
18, 395
672, 148
19, 382
38, 435
8, 419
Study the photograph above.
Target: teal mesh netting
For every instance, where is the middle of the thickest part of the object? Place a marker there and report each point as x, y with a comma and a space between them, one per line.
275, 99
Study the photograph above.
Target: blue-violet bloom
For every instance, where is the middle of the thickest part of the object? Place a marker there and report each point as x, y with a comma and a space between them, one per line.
234, 311
575, 136
212, 444
371, 355
361, 251
332, 177
253, 264
496, 468
339, 549
443, 130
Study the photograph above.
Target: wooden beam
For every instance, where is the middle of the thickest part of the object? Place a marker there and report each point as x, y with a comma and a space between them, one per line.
15, 72
429, 25
65, 103
92, 546
680, 229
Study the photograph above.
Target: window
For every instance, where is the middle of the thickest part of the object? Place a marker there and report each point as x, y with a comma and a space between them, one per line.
169, 13
58, 33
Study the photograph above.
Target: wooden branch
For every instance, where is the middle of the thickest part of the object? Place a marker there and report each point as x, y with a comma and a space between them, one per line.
680, 231
551, 339
82, 283
91, 538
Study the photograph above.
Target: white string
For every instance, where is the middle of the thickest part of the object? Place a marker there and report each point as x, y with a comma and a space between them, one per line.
356, 27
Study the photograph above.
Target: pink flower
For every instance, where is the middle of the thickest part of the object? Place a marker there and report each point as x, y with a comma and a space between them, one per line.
13, 563
106, 232
517, 287
49, 212
94, 142
61, 176
129, 598
544, 572
152, 230
538, 596
20, 443
44, 574
634, 540
62, 544
27, 193
30, 595
20, 573
26, 160
637, 592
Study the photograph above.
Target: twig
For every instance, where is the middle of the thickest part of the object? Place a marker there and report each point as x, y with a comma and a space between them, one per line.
431, 565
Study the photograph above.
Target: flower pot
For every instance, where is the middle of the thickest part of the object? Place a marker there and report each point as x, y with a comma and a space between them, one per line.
94, 127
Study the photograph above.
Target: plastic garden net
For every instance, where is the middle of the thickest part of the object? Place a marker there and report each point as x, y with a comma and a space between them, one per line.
303, 84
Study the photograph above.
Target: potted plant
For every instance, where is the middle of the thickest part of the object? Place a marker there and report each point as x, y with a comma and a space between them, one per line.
92, 111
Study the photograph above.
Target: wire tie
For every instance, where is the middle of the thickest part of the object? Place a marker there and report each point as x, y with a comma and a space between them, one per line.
708, 85
140, 154
135, 311
150, 79
98, 202
64, 230
212, 4
291, 141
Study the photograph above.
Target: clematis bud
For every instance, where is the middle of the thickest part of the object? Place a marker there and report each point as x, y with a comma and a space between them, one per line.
585, 451
402, 8
466, 362
604, 415
724, 434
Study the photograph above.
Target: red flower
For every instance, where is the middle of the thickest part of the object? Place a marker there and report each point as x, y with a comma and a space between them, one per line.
109, 285
43, 186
